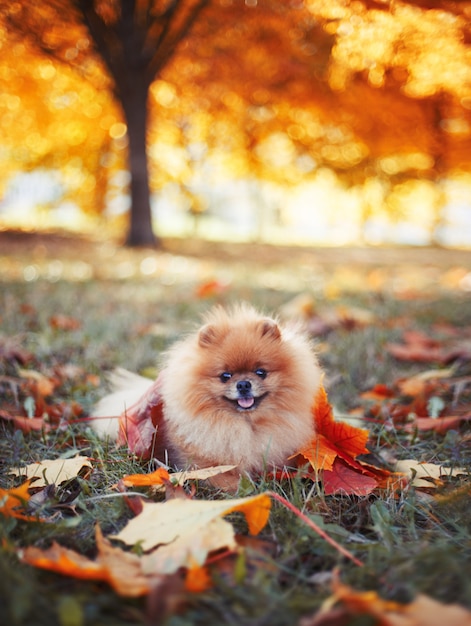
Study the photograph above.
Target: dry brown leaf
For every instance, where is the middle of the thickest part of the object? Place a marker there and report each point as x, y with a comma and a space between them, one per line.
55, 471
426, 474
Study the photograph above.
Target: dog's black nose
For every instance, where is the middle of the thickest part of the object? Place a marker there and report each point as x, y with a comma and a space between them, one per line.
244, 387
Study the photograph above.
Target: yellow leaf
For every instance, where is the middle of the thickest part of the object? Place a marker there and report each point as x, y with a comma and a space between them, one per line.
56, 471
426, 474
191, 549
187, 530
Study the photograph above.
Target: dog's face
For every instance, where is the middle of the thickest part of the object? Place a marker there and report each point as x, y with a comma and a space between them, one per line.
242, 370
245, 390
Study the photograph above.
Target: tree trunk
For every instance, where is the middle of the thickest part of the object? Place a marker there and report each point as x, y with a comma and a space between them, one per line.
140, 231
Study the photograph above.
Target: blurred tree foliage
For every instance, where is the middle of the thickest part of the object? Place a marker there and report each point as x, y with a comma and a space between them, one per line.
378, 91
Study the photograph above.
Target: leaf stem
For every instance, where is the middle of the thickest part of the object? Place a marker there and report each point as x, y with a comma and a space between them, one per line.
315, 527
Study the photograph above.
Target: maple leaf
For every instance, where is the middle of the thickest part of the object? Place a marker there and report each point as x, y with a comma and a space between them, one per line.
333, 451
141, 427
55, 471
188, 530
423, 611
161, 476
13, 500
344, 479
122, 570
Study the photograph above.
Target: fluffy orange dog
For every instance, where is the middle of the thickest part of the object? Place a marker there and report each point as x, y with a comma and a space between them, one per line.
237, 392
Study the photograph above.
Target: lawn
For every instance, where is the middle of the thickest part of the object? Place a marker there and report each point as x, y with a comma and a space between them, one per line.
393, 333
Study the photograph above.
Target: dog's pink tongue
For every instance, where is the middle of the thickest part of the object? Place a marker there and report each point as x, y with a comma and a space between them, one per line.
245, 403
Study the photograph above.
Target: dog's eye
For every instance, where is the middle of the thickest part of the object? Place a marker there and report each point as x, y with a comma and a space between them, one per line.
261, 372
225, 376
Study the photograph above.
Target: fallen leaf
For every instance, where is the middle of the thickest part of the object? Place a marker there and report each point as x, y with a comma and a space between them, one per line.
64, 322
438, 424
346, 604
12, 502
200, 474
344, 479
141, 426
161, 476
210, 288
191, 548
197, 579
333, 455
187, 530
55, 471
44, 386
122, 570
427, 474
345, 439
421, 348
378, 392
417, 384
26, 424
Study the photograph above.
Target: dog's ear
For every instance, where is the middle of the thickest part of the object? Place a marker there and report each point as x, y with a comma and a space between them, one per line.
207, 335
270, 328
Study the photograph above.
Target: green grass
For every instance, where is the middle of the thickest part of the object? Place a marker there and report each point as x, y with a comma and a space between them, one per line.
415, 542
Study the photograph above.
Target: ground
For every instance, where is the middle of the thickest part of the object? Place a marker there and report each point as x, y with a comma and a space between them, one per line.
86, 303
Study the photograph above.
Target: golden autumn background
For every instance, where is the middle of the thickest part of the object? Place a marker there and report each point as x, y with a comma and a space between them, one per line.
315, 121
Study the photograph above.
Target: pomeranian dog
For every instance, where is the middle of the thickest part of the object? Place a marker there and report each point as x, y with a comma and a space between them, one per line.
239, 391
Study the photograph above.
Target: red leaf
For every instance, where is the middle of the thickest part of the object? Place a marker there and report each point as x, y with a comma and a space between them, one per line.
438, 424
25, 424
345, 479
141, 427
64, 322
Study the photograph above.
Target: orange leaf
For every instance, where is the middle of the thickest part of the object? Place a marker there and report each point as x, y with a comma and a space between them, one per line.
64, 322
210, 288
159, 477
12, 500
333, 438
197, 579
378, 392
256, 510
333, 453
423, 611
64, 561
122, 570
322, 454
